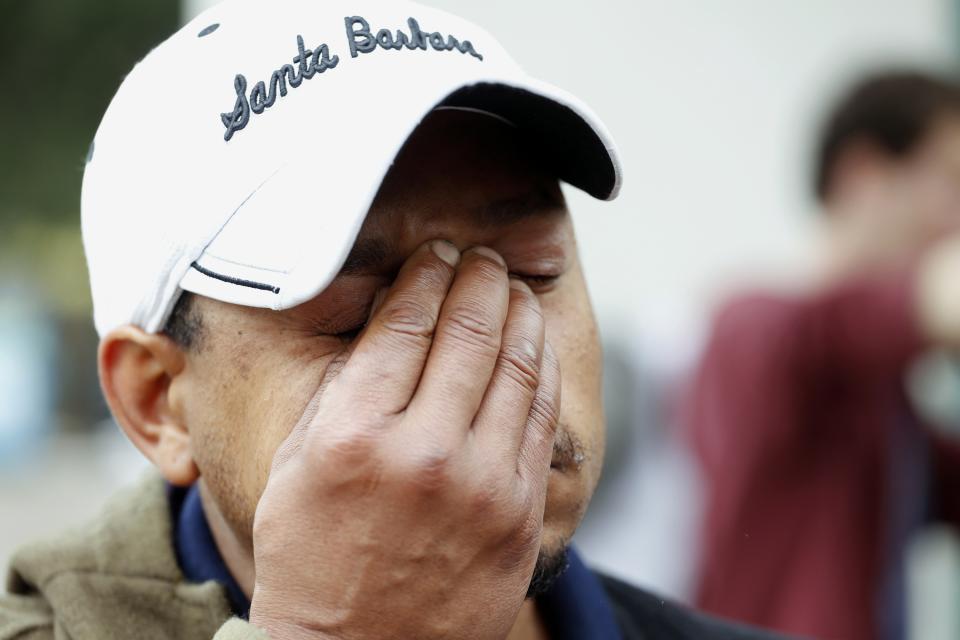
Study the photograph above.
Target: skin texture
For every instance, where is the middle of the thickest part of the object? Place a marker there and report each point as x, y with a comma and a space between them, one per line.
257, 381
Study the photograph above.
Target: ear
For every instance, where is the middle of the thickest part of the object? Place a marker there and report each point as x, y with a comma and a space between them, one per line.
136, 370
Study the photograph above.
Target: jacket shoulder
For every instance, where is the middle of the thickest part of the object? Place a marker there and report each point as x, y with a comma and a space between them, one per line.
116, 577
130, 537
643, 615
25, 618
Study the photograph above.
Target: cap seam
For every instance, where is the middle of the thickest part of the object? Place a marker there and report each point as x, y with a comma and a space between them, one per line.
237, 281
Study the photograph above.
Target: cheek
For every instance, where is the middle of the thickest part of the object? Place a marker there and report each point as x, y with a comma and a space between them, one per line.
940, 196
572, 331
271, 415
242, 412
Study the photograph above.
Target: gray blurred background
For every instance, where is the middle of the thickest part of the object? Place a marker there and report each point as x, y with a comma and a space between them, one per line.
713, 105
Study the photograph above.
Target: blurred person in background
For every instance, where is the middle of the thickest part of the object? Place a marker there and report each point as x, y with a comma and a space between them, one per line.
817, 467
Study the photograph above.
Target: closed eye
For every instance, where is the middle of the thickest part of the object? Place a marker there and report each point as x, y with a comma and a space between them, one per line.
350, 334
538, 283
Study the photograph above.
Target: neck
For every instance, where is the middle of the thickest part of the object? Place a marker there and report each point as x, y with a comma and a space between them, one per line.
238, 556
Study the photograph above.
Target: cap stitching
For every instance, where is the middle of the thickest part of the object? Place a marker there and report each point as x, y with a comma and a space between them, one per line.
238, 281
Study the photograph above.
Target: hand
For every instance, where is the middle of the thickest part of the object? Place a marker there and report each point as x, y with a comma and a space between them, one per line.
408, 500
938, 303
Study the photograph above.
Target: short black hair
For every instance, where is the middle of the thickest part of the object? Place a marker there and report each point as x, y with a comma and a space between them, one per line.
185, 324
892, 110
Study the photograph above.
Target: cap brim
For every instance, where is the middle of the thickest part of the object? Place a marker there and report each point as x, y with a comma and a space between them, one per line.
258, 258
574, 143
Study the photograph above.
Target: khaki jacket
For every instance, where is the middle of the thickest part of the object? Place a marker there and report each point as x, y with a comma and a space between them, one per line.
117, 578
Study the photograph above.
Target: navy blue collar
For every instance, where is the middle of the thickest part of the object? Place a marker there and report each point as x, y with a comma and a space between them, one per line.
197, 553
576, 607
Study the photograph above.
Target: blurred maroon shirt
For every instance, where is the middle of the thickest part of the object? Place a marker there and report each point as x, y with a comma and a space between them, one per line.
817, 471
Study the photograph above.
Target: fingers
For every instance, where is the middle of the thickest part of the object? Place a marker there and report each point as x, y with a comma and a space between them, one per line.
389, 357
536, 447
466, 345
500, 422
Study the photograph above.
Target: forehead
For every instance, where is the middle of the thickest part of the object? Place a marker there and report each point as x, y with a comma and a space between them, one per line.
464, 168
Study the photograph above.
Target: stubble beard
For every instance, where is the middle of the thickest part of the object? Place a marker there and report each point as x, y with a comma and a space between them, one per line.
550, 566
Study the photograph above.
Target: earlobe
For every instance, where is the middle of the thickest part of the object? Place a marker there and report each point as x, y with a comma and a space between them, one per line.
136, 371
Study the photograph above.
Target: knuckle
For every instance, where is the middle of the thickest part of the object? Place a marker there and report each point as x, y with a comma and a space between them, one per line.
472, 326
483, 502
521, 540
408, 317
520, 362
351, 450
347, 465
429, 276
434, 273
505, 502
489, 499
432, 469
529, 528
545, 413
488, 269
526, 513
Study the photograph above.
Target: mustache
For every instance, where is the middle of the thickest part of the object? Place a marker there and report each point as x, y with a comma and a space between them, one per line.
568, 450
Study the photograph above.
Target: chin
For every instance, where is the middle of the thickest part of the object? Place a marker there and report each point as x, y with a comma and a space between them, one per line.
565, 509
554, 540
550, 566
567, 497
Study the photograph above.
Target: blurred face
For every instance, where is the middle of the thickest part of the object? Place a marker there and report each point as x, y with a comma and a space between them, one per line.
935, 173
921, 193
461, 177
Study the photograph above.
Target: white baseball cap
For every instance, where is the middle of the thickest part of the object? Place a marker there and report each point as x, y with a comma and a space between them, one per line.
239, 158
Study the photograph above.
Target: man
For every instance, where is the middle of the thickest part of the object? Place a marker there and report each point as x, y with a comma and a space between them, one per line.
818, 469
336, 285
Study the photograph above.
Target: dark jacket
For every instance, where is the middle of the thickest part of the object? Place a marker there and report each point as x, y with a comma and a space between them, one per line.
645, 616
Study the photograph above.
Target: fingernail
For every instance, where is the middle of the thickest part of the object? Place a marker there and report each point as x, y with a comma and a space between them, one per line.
446, 252
490, 253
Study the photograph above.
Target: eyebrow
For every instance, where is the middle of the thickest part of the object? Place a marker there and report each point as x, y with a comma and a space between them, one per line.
512, 209
366, 256
369, 255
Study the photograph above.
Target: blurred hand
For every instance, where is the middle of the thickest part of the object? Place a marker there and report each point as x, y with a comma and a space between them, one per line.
939, 294
408, 500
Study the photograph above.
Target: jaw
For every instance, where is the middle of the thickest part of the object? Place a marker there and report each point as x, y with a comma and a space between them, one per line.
568, 494
550, 566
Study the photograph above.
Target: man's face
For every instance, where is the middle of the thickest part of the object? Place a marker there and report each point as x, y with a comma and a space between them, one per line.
462, 177
924, 189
